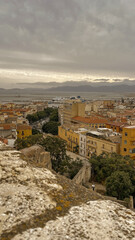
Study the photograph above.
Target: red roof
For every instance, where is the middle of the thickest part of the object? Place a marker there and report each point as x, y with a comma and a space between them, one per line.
92, 120
7, 126
118, 124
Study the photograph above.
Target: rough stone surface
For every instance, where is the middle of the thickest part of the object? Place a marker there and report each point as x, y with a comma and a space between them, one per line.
37, 156
94, 221
36, 203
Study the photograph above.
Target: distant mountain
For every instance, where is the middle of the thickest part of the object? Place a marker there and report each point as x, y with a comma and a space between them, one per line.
88, 88
95, 83
80, 88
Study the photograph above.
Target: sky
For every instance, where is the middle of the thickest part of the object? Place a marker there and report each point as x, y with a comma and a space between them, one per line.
61, 40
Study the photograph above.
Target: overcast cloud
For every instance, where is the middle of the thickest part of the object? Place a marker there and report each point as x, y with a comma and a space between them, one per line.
67, 36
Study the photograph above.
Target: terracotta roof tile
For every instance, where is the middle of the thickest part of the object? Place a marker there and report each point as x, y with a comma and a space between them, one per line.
92, 120
23, 127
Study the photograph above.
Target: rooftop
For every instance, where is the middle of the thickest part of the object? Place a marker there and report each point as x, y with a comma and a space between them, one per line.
92, 120
5, 126
23, 127
132, 127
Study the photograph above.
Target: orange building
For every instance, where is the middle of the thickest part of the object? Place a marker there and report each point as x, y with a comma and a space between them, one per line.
116, 126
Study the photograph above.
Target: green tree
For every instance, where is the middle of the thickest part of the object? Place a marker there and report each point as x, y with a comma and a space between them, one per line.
51, 127
61, 163
105, 164
54, 116
29, 141
35, 131
48, 112
76, 149
119, 185
57, 149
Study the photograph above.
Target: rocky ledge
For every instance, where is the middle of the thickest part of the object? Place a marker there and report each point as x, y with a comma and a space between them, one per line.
36, 203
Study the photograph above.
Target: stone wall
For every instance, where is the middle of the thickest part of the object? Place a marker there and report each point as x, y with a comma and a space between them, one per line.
84, 175
37, 156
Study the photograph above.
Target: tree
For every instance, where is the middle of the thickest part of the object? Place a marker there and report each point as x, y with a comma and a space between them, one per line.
119, 185
57, 149
76, 149
51, 127
105, 164
35, 131
61, 163
29, 141
54, 116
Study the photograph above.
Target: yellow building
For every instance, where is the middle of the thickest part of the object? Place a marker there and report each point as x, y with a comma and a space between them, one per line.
98, 145
23, 131
71, 110
128, 142
71, 137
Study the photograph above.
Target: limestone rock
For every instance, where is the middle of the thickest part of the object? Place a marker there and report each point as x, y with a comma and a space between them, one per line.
37, 204
37, 155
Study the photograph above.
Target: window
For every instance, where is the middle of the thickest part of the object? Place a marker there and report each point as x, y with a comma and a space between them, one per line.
133, 150
22, 133
125, 149
130, 150
125, 142
126, 134
103, 146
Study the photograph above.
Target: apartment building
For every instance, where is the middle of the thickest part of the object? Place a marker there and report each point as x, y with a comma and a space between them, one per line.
116, 126
128, 142
71, 110
97, 143
71, 137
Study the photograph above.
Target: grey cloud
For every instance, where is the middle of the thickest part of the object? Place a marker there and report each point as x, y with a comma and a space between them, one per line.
78, 35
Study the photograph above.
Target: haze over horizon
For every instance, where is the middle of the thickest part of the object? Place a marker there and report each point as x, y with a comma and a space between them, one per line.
64, 40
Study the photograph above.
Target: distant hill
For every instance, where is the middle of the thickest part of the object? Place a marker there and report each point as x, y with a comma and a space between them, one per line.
94, 83
67, 88
88, 88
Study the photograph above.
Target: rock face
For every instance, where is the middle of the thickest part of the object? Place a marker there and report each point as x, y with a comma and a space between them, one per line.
38, 156
95, 220
35, 203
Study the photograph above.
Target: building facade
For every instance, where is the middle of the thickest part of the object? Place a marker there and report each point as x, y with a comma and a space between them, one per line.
128, 142
71, 110
71, 137
98, 145
23, 131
